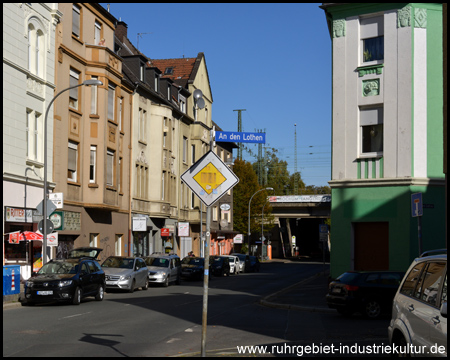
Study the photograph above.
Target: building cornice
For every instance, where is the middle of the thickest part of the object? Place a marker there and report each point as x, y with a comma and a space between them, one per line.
350, 183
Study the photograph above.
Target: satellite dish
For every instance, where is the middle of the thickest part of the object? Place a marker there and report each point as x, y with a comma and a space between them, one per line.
198, 94
201, 103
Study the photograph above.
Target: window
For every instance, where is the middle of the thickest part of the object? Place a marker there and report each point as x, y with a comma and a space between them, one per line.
97, 32
34, 135
411, 280
36, 49
371, 122
93, 240
92, 164
76, 15
120, 114
215, 211
169, 91
192, 199
168, 71
142, 120
182, 102
110, 162
94, 96
185, 147
141, 189
193, 154
372, 40
142, 72
120, 175
163, 180
165, 130
111, 101
156, 82
118, 245
73, 93
428, 285
72, 163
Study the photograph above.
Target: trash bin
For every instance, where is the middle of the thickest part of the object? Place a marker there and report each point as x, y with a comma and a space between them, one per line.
11, 279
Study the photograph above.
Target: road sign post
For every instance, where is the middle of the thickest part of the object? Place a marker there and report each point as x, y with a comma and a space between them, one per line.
417, 211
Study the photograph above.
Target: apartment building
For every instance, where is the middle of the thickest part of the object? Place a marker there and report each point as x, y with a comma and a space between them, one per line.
28, 88
92, 133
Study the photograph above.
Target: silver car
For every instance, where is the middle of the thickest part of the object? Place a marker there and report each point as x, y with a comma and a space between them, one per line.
163, 269
126, 273
235, 265
419, 313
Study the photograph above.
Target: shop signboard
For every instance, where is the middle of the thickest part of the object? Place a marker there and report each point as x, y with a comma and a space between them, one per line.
165, 232
183, 229
18, 215
238, 239
57, 218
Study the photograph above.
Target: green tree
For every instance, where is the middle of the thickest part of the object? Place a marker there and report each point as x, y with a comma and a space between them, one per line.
242, 193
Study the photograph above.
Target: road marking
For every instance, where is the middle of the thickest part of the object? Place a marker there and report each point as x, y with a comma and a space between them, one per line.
188, 330
71, 316
172, 340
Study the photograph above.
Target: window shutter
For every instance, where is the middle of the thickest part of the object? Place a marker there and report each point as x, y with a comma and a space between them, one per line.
76, 20
72, 161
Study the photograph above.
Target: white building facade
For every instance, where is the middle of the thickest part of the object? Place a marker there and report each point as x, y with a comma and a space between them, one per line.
28, 88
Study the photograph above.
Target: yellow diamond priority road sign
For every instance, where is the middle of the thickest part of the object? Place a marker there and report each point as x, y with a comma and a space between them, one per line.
209, 178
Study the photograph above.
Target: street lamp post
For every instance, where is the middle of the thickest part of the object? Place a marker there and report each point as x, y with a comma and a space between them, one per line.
249, 233
44, 244
262, 228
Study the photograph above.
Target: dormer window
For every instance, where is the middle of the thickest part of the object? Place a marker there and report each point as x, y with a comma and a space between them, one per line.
156, 82
168, 71
141, 71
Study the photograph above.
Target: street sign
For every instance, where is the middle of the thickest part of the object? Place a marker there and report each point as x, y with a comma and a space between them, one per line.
209, 178
416, 205
240, 137
50, 207
49, 224
58, 199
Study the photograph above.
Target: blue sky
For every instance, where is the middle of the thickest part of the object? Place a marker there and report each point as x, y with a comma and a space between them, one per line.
274, 60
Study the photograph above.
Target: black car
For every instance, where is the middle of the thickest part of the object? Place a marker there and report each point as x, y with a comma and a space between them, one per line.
193, 267
253, 265
220, 265
368, 292
67, 279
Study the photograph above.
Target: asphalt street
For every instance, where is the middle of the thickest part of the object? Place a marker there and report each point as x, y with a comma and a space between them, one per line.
167, 321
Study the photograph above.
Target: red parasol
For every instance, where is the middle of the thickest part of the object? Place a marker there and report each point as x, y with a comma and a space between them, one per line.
15, 237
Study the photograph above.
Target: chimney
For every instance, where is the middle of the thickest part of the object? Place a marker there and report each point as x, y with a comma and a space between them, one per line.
121, 30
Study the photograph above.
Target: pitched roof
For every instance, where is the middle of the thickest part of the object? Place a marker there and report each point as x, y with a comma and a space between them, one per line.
182, 69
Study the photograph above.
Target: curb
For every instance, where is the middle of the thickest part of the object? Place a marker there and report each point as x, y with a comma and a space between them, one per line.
266, 300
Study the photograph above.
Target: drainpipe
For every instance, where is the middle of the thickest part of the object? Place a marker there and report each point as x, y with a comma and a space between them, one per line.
130, 185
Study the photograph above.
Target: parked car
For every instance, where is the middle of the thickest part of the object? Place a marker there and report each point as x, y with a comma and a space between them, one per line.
235, 265
419, 310
220, 265
163, 269
126, 273
193, 267
254, 264
244, 260
369, 292
67, 279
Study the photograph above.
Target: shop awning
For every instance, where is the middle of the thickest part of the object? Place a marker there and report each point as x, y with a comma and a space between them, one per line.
17, 236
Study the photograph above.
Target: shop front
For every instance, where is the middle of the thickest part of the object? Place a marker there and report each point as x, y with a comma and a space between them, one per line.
21, 245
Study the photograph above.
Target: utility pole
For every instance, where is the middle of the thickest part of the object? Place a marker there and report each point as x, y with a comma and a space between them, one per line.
295, 162
239, 155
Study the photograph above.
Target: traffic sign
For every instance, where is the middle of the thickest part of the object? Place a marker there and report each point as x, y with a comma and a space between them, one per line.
50, 207
209, 178
416, 205
49, 225
240, 137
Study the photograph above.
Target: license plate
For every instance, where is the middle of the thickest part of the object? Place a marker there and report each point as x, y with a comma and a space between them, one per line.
45, 292
110, 283
336, 290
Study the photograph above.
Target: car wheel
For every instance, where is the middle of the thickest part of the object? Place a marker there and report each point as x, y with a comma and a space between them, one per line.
76, 296
402, 345
145, 287
133, 285
100, 294
166, 282
372, 309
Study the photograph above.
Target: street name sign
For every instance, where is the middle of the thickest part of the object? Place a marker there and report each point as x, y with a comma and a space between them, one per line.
240, 137
209, 178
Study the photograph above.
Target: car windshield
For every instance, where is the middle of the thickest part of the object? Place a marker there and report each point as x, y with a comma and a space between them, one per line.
121, 263
59, 267
160, 262
193, 261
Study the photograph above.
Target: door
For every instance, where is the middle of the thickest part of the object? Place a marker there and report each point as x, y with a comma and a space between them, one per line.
371, 246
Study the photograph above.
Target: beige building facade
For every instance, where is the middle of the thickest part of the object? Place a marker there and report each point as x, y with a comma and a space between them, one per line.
92, 132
